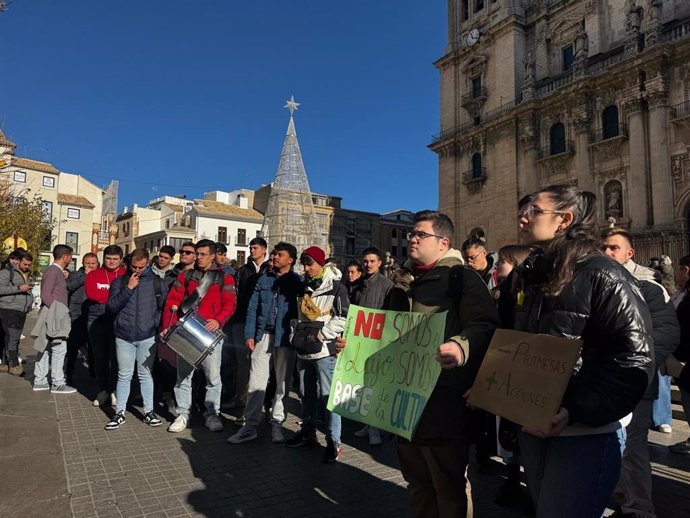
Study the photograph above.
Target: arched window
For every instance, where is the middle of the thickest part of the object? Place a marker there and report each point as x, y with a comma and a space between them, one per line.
557, 136
609, 122
477, 165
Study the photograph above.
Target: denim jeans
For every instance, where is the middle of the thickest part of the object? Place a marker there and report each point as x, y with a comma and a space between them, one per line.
143, 352
572, 476
183, 387
317, 376
283, 361
661, 411
51, 360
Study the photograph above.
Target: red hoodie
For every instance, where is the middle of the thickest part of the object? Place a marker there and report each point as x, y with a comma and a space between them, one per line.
97, 284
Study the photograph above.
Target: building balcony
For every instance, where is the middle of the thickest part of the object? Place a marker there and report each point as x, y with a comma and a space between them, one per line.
610, 134
487, 117
547, 152
477, 175
680, 112
476, 97
550, 85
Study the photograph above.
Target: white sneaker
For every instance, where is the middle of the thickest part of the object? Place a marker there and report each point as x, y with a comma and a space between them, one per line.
362, 432
244, 434
113, 400
213, 423
277, 436
375, 436
179, 424
101, 398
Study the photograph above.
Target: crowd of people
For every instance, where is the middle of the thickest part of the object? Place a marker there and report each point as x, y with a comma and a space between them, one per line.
284, 331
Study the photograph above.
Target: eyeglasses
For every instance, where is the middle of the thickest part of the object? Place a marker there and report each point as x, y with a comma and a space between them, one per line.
421, 235
187, 252
530, 212
473, 258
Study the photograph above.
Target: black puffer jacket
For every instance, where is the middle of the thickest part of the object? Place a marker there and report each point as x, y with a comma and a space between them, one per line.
666, 329
602, 306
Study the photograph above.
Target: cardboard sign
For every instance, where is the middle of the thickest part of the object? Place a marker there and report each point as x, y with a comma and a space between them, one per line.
388, 369
523, 376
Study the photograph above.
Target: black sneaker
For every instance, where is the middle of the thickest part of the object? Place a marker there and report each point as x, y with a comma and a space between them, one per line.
151, 419
301, 439
116, 421
333, 452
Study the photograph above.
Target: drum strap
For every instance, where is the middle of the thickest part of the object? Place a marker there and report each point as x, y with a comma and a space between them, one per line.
193, 300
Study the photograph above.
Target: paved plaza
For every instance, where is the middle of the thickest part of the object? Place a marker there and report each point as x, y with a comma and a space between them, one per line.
57, 460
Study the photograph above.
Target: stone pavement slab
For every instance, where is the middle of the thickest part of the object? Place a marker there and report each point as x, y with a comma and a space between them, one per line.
63, 464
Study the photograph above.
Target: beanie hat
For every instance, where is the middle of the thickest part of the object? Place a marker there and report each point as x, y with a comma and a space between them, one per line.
318, 255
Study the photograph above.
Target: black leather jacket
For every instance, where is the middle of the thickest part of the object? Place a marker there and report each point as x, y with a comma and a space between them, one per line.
602, 306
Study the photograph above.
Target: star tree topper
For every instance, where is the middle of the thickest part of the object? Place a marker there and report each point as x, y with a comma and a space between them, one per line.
291, 105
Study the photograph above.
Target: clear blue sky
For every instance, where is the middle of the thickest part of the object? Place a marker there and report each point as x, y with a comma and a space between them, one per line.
173, 97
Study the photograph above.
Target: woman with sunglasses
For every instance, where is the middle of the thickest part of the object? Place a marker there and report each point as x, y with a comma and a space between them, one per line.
570, 289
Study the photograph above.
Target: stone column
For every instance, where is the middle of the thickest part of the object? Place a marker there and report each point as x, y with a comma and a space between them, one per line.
585, 176
638, 202
660, 159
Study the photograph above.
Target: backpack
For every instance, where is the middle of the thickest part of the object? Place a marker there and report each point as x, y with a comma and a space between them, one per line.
156, 285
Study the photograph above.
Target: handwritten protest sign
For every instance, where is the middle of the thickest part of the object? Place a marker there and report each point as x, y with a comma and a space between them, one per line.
388, 370
523, 376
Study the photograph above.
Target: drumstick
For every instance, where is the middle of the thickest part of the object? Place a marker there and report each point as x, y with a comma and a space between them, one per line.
172, 312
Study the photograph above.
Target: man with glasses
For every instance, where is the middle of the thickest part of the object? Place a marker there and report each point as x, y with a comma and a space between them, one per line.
480, 260
136, 300
100, 323
434, 463
215, 302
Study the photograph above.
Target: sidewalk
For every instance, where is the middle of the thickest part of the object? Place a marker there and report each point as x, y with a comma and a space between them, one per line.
58, 461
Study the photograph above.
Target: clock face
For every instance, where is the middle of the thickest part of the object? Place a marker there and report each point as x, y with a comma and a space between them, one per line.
472, 37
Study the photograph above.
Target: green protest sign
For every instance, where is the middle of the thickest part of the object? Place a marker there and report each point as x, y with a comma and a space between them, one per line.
388, 369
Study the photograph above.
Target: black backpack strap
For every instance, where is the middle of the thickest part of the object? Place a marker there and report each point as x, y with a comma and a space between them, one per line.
157, 287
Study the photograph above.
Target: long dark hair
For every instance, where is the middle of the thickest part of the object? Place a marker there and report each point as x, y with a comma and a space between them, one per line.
578, 240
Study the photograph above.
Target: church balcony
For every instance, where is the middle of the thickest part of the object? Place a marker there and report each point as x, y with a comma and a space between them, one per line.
680, 112
550, 85
478, 96
548, 152
610, 134
679, 31
477, 175
485, 118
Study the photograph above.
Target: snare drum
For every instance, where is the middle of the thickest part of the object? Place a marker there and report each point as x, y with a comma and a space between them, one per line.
191, 340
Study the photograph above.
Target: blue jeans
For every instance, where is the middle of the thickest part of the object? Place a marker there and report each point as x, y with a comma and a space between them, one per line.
143, 352
52, 361
661, 410
183, 387
571, 477
317, 376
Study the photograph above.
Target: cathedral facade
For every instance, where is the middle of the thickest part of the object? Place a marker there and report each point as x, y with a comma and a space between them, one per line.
590, 92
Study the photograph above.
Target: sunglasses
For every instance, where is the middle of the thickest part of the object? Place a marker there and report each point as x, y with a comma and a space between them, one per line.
187, 252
